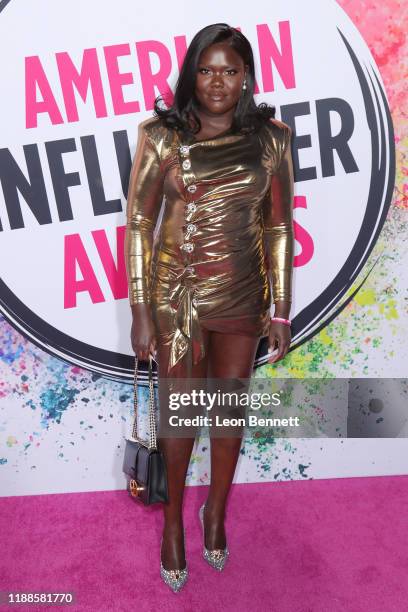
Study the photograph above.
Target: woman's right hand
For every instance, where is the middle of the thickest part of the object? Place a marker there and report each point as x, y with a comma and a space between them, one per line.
142, 335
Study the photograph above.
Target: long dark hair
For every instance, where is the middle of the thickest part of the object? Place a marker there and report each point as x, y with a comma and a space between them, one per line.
248, 116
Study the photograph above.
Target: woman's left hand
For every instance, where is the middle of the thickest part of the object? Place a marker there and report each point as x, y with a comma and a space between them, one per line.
279, 337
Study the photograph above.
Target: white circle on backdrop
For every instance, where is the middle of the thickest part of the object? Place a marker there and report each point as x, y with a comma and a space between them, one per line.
96, 336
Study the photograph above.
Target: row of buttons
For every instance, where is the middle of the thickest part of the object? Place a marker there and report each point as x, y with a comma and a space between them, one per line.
185, 151
191, 207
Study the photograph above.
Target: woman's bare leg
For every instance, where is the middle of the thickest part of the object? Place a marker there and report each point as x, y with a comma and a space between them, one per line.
230, 356
177, 453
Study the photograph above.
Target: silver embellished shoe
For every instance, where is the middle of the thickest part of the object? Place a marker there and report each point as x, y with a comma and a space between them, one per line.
174, 578
217, 557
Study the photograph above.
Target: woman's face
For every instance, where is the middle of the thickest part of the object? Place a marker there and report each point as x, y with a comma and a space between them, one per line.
220, 74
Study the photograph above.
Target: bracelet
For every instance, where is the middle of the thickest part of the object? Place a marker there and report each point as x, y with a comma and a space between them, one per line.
280, 320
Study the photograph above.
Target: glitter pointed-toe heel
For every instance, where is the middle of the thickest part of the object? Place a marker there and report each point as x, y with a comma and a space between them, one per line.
174, 578
217, 557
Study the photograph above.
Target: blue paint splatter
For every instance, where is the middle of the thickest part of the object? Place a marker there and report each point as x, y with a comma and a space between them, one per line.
9, 353
54, 402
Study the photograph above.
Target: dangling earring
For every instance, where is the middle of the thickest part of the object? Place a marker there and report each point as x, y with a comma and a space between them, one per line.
244, 85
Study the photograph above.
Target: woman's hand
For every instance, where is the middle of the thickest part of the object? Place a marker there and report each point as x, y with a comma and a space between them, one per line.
279, 337
143, 335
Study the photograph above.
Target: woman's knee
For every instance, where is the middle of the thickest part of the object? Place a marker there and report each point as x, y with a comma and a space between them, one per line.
231, 355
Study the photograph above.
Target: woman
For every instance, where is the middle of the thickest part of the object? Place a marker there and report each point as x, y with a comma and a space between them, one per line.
201, 292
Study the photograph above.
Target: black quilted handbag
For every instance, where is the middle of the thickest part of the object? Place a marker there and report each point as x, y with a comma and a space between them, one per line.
143, 464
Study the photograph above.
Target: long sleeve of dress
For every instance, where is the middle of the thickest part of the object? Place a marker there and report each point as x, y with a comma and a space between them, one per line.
144, 200
278, 224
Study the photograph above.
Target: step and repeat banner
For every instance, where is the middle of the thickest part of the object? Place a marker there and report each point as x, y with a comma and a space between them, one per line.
77, 80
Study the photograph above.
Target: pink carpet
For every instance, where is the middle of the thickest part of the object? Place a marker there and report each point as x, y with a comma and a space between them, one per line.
307, 546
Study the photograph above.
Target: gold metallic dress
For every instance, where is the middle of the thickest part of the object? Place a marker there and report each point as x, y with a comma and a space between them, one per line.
226, 232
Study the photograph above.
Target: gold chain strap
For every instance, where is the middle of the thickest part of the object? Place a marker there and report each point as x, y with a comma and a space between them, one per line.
152, 418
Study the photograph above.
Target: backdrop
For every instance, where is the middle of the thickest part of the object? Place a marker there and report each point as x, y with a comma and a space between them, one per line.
77, 79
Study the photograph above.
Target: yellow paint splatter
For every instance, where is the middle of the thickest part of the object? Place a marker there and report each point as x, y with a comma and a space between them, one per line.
365, 297
324, 336
389, 309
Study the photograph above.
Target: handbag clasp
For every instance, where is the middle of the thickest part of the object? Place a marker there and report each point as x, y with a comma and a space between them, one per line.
135, 487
